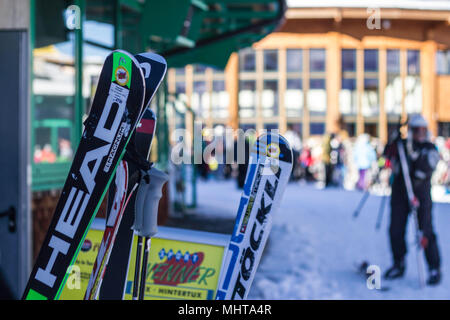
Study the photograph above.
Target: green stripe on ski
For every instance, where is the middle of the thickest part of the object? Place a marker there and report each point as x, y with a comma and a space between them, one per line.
63, 283
122, 66
33, 295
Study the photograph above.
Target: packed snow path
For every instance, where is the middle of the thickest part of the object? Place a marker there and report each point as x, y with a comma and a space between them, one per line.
315, 244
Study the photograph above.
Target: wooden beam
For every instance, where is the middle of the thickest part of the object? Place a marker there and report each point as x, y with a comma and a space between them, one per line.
359, 90
333, 81
282, 79
305, 81
209, 91
428, 79
232, 87
259, 88
403, 73
361, 13
189, 71
382, 80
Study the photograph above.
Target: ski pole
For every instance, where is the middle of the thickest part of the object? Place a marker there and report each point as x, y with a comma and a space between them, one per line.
147, 242
146, 223
138, 222
361, 204
137, 268
380, 213
414, 205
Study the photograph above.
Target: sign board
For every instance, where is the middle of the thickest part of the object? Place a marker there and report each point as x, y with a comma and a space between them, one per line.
183, 264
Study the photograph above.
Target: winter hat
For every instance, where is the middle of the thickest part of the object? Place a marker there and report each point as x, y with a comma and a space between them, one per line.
417, 121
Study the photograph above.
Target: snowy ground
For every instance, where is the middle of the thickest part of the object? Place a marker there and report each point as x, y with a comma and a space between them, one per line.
315, 244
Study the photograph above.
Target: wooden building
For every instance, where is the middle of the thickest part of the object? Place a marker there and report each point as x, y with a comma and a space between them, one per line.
333, 64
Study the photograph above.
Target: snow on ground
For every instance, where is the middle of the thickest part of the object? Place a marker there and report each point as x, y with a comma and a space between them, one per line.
315, 243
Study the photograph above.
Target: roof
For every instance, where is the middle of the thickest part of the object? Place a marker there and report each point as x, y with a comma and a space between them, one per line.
189, 31
435, 5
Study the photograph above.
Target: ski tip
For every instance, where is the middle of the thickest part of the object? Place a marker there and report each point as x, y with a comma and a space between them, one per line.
273, 145
154, 56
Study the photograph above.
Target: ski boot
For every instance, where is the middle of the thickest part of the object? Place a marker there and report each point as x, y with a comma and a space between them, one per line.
396, 271
434, 278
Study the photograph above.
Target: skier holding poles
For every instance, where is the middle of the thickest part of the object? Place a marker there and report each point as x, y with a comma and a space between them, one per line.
412, 193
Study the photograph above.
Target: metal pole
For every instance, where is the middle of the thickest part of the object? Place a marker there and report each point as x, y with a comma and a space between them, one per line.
118, 43
78, 114
361, 204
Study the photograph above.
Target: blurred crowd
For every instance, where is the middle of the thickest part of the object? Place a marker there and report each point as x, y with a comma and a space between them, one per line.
332, 160
336, 160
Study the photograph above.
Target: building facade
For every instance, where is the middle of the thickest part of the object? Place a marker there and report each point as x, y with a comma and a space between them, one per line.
329, 68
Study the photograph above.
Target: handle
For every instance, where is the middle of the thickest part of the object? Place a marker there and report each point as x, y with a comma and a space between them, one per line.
139, 203
147, 201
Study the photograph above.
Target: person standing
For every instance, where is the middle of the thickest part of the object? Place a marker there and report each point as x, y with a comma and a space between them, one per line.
294, 140
422, 157
326, 158
363, 156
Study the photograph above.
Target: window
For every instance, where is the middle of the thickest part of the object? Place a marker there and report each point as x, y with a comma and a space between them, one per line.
54, 101
271, 126
317, 95
247, 61
443, 62
180, 71
393, 92
348, 94
219, 100
370, 99
200, 99
393, 61
317, 60
247, 126
297, 127
316, 128
350, 127
413, 83
370, 60
371, 129
180, 91
444, 129
199, 69
269, 98
180, 87
413, 58
348, 97
270, 60
53, 128
293, 98
294, 60
348, 60
247, 98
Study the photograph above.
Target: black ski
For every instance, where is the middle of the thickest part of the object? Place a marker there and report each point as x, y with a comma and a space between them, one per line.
113, 285
115, 111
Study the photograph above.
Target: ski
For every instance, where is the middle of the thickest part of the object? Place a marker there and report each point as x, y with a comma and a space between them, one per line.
268, 173
113, 280
114, 113
121, 198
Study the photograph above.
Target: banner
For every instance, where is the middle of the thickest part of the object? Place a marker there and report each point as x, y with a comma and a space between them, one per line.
183, 264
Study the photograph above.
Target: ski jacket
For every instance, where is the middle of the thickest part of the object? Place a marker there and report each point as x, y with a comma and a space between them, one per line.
422, 161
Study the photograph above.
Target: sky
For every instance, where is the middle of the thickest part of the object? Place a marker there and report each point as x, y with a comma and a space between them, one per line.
93, 31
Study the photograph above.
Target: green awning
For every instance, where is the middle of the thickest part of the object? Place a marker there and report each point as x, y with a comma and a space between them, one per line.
188, 31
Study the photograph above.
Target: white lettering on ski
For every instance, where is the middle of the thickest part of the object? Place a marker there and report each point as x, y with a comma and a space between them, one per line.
45, 275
